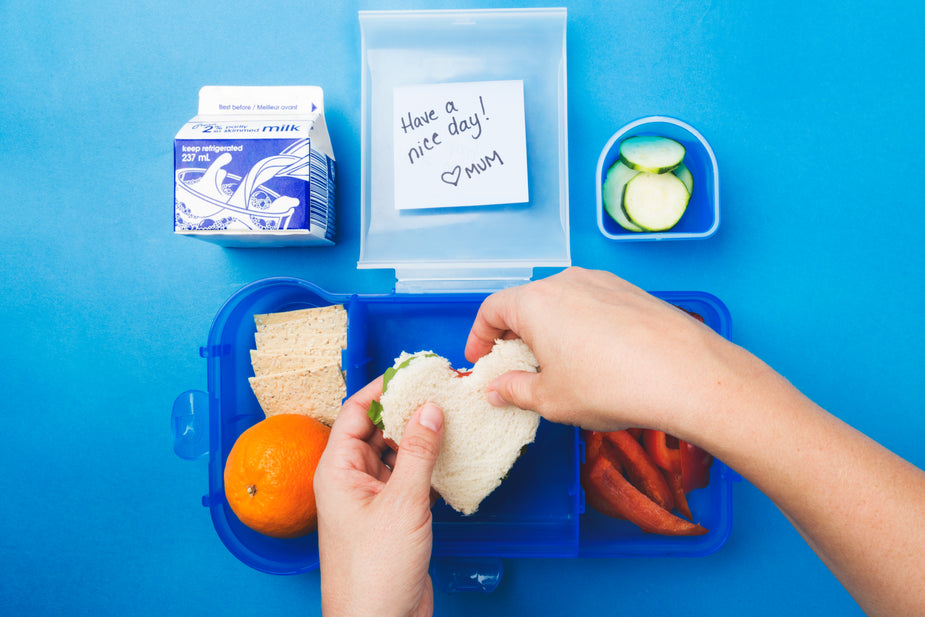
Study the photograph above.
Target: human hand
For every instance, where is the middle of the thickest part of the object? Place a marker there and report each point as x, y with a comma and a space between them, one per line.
611, 355
374, 523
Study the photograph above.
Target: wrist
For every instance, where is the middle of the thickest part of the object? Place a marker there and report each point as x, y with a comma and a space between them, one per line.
364, 586
747, 408
735, 384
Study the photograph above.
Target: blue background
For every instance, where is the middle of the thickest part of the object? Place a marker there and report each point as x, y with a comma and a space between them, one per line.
813, 110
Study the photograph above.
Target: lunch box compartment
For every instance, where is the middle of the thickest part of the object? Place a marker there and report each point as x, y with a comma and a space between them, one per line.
602, 536
534, 511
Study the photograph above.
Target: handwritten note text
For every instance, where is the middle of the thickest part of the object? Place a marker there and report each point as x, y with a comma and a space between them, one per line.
460, 144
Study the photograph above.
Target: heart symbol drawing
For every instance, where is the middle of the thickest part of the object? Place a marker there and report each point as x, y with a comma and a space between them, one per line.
452, 176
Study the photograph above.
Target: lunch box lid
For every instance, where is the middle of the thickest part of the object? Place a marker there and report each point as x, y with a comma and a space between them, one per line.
469, 248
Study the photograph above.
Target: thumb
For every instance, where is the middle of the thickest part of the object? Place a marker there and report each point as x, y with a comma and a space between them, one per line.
417, 453
516, 388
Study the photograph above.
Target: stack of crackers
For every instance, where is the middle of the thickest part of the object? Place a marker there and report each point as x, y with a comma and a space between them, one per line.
297, 362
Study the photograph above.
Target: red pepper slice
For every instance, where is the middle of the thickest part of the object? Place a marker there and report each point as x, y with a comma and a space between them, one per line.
695, 466
680, 495
656, 444
594, 443
635, 432
639, 467
624, 498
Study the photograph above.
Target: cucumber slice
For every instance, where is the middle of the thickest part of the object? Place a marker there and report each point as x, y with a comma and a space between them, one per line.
612, 192
655, 202
653, 154
684, 175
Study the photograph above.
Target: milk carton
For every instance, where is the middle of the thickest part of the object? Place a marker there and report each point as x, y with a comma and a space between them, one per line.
255, 167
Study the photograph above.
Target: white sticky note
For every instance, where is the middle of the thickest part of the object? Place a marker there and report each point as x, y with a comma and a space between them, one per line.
460, 144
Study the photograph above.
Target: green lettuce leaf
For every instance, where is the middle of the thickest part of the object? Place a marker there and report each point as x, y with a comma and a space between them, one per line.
375, 408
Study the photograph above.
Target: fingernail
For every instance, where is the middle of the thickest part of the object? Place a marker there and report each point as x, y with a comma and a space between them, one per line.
495, 399
431, 417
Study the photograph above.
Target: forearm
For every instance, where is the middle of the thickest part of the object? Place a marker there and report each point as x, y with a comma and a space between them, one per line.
859, 506
613, 356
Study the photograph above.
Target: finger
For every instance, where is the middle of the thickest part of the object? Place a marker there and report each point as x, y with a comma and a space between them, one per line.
369, 393
383, 471
493, 321
417, 454
355, 443
388, 457
353, 421
518, 388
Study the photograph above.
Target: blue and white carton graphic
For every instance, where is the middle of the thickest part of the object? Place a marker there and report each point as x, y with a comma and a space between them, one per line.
255, 167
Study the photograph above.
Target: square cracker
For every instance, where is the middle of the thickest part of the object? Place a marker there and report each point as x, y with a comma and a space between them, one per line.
316, 393
267, 362
326, 318
299, 337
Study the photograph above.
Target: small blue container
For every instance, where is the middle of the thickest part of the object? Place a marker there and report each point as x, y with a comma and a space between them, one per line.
701, 219
538, 511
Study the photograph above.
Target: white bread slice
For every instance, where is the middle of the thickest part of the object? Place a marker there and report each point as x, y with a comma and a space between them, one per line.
480, 442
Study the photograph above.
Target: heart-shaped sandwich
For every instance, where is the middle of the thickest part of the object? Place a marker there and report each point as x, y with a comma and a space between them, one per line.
480, 442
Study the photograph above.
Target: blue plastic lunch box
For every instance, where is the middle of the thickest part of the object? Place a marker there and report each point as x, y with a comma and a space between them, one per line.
538, 511
446, 260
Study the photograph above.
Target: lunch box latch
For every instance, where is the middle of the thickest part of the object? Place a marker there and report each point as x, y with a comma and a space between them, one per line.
466, 574
189, 423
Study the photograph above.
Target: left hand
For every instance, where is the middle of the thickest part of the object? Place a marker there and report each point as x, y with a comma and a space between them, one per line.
374, 524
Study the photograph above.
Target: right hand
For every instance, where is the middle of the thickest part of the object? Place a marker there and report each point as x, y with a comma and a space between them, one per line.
611, 355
